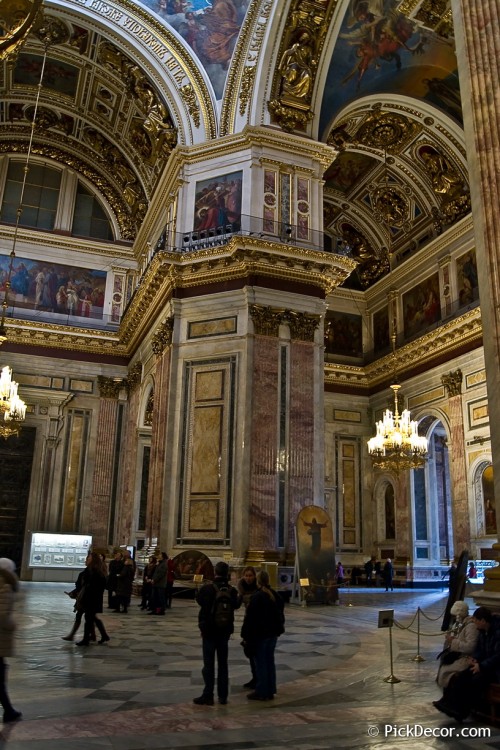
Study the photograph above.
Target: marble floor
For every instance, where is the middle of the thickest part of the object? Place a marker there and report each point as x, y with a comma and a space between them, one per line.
136, 691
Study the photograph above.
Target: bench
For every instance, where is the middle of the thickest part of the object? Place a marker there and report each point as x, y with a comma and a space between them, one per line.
491, 712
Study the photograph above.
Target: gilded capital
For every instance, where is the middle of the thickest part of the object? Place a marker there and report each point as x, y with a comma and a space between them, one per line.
453, 383
302, 326
134, 377
109, 387
163, 337
266, 320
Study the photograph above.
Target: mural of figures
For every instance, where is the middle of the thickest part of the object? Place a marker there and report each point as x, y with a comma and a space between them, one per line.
421, 306
381, 337
210, 28
54, 288
218, 203
343, 334
490, 516
468, 290
380, 49
315, 552
192, 562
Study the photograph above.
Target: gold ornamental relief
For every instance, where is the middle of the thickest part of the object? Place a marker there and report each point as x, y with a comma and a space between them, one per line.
108, 387
17, 18
302, 326
453, 383
134, 377
163, 337
266, 320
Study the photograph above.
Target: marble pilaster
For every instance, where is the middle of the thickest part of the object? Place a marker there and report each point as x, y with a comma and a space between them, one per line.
125, 522
403, 529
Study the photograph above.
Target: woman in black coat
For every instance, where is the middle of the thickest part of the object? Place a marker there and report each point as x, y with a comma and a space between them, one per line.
263, 624
94, 583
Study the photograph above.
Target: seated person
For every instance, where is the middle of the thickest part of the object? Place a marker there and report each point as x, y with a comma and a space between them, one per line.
467, 690
459, 644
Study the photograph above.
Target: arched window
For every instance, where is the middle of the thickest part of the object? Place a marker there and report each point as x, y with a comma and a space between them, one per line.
40, 198
89, 218
490, 518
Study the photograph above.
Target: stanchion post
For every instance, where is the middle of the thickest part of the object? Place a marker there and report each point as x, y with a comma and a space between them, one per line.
418, 657
386, 620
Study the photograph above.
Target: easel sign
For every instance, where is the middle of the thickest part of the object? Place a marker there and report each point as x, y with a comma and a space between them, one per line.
386, 618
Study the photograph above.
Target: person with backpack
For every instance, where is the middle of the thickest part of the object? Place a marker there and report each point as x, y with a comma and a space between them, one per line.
263, 624
217, 601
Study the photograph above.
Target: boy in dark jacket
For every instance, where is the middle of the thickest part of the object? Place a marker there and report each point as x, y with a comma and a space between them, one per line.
215, 632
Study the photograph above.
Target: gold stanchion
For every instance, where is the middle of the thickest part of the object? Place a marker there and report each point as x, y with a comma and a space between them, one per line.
418, 657
385, 620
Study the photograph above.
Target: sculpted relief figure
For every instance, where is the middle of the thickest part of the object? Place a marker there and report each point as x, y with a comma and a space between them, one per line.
296, 68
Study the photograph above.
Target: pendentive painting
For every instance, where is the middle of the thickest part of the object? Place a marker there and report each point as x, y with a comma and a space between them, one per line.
383, 49
210, 28
468, 289
315, 552
421, 306
218, 203
343, 334
53, 288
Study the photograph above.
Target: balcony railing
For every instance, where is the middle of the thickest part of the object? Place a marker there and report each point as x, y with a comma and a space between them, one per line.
203, 237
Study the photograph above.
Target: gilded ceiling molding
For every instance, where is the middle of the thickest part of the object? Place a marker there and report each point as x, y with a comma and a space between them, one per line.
134, 377
18, 18
302, 326
109, 387
163, 337
266, 320
453, 383
92, 342
143, 30
298, 57
241, 76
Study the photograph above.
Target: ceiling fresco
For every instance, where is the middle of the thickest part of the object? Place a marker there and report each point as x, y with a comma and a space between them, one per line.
381, 51
211, 29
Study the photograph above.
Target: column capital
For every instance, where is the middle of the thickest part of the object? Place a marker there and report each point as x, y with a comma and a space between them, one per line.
109, 387
162, 337
302, 326
266, 320
453, 383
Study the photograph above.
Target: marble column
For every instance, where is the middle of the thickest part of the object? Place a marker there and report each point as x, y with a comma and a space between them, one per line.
124, 524
477, 34
264, 468
102, 485
404, 540
161, 345
458, 468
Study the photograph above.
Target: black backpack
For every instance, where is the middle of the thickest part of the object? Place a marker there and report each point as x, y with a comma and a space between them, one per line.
222, 609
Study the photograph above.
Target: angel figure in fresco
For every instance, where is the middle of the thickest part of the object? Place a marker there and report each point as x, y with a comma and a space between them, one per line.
314, 531
380, 37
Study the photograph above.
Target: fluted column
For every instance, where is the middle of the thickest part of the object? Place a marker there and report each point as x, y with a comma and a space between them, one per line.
161, 345
458, 468
129, 459
477, 32
102, 485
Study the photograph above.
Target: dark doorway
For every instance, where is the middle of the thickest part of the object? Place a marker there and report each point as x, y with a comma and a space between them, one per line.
16, 460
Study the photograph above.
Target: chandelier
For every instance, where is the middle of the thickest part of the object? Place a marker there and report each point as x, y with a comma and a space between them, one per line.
12, 408
397, 446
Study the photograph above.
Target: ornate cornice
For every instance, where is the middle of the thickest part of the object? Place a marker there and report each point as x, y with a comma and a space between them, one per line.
163, 337
453, 383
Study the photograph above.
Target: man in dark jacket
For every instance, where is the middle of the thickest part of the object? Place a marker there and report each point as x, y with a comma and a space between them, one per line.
215, 632
467, 690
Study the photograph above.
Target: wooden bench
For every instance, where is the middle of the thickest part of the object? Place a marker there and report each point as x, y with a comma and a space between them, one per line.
491, 712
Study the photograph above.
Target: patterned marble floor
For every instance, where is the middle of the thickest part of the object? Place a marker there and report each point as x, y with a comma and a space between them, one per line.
136, 691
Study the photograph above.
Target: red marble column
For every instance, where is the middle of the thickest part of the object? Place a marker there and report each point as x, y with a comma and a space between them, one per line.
158, 449
477, 34
126, 508
264, 443
301, 432
403, 533
102, 483
458, 471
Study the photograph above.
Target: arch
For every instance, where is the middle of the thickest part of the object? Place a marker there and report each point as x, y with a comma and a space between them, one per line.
484, 498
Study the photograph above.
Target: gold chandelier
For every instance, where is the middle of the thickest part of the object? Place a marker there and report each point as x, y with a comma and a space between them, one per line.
397, 446
12, 408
